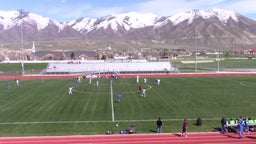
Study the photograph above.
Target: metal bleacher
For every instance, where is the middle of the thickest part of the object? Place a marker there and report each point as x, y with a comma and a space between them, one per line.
109, 66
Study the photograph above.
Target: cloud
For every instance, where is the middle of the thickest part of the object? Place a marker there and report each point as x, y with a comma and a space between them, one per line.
63, 1
69, 12
171, 7
99, 12
242, 6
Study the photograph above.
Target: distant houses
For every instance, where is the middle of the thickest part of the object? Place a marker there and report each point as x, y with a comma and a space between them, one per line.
65, 55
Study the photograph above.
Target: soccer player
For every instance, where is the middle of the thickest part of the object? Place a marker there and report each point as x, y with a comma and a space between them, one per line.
145, 80
140, 88
8, 85
143, 93
119, 95
97, 83
77, 82
70, 81
70, 90
17, 82
90, 80
79, 79
157, 81
137, 79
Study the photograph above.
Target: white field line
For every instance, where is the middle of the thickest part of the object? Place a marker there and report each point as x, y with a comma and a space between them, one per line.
103, 93
103, 121
248, 84
112, 101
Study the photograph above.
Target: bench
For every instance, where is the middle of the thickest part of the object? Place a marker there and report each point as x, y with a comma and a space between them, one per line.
232, 124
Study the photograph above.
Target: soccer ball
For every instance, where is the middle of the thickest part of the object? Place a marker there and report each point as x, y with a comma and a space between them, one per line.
116, 125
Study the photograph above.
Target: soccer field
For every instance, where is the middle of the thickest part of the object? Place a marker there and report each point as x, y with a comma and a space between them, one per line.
44, 107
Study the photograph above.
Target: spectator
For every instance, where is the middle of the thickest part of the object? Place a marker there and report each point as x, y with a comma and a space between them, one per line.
198, 121
184, 128
223, 124
246, 126
132, 130
159, 124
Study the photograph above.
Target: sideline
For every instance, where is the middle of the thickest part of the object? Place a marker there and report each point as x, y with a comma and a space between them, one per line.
103, 121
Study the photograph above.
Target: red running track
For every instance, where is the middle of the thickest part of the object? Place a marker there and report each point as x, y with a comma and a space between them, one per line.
193, 138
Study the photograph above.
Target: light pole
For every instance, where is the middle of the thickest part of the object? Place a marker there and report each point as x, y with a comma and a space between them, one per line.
196, 36
195, 52
218, 61
21, 11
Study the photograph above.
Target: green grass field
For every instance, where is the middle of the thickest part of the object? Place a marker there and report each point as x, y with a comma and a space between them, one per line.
45, 108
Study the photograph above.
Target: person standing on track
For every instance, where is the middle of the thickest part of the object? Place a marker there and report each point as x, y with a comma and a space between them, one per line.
159, 125
240, 127
184, 128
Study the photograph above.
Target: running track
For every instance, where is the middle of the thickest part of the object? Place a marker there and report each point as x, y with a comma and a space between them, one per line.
193, 138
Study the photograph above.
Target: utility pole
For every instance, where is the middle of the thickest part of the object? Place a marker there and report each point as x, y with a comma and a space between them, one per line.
218, 61
21, 11
196, 37
195, 52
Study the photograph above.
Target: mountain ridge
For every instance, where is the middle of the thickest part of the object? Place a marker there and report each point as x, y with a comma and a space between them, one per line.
209, 26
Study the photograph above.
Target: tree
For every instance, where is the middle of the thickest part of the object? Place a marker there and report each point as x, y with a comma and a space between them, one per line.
103, 57
72, 55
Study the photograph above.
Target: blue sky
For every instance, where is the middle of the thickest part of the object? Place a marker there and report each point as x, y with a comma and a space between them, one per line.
65, 10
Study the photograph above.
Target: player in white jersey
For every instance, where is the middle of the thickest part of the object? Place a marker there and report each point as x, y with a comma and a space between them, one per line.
90, 80
143, 93
70, 90
17, 82
97, 83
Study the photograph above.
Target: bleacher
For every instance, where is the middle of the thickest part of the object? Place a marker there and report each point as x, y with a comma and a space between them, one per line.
109, 66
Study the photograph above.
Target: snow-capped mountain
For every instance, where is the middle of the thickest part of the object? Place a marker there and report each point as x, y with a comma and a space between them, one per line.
210, 26
222, 15
34, 27
126, 21
82, 24
9, 19
134, 20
